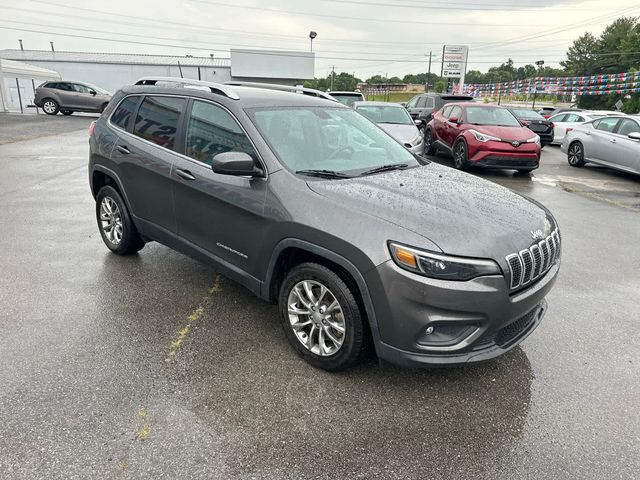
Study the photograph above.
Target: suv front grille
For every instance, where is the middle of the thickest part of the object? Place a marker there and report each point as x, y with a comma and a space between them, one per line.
528, 265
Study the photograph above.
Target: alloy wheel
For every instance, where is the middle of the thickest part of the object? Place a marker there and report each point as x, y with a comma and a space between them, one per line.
111, 220
49, 106
316, 317
459, 155
575, 154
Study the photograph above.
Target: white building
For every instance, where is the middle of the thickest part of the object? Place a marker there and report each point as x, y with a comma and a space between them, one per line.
18, 82
114, 70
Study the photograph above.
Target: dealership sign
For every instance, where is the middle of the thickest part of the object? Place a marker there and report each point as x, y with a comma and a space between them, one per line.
454, 60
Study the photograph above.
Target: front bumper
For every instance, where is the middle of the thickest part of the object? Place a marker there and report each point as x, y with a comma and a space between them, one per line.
472, 321
504, 155
416, 149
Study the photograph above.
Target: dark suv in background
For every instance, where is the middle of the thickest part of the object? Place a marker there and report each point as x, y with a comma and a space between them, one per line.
312, 206
69, 97
422, 107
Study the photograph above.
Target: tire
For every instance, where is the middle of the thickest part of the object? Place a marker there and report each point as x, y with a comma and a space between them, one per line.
50, 106
460, 155
66, 112
575, 154
316, 327
524, 171
429, 148
122, 237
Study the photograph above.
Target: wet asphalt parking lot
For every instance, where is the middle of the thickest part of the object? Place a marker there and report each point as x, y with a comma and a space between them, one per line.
154, 366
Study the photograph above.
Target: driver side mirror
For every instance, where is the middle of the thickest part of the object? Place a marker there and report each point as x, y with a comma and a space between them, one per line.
634, 135
417, 122
454, 119
93, 92
234, 163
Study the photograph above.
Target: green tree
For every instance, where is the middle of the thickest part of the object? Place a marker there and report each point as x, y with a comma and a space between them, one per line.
440, 86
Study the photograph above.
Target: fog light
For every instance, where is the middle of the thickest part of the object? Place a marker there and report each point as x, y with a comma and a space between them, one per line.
429, 330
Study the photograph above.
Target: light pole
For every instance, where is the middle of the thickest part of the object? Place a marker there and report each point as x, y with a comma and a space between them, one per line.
312, 35
539, 63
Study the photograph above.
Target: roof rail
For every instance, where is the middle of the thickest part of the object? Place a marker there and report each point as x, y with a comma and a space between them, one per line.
187, 82
285, 88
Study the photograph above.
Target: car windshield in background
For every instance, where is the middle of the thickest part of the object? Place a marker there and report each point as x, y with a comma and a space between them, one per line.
525, 114
491, 116
386, 114
328, 138
347, 99
98, 90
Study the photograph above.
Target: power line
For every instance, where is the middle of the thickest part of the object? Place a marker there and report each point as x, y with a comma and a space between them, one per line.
457, 6
365, 19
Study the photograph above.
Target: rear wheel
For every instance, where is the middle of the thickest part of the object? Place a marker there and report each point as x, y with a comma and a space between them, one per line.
429, 148
460, 155
575, 155
321, 317
50, 106
114, 222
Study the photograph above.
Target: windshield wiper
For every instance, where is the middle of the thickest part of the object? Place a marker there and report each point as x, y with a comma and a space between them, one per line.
323, 173
386, 168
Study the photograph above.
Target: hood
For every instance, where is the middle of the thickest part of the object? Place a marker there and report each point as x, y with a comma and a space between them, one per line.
505, 133
463, 214
402, 133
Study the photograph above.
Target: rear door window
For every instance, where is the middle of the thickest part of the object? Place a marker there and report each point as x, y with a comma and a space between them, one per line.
157, 120
572, 118
65, 86
430, 103
122, 115
212, 130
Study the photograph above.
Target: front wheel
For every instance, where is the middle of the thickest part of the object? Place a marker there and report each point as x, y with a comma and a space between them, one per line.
575, 155
321, 317
50, 106
429, 148
114, 222
460, 155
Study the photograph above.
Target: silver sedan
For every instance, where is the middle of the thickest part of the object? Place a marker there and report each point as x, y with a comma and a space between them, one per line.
610, 141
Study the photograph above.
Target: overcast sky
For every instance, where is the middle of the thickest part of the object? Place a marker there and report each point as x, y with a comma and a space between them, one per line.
367, 37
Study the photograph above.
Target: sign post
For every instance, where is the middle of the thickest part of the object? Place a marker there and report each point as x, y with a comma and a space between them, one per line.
454, 63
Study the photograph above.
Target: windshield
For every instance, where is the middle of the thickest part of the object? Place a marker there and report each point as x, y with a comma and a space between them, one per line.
348, 99
328, 138
386, 114
524, 114
500, 117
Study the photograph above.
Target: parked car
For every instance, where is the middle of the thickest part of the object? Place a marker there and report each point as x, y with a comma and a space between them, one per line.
566, 121
69, 97
422, 107
311, 206
536, 123
347, 98
564, 110
610, 141
483, 135
546, 112
395, 120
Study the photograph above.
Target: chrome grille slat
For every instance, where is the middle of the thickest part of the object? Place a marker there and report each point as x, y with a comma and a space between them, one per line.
528, 265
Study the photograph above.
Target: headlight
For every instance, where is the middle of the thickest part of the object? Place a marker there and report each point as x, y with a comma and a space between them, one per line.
443, 267
483, 137
535, 139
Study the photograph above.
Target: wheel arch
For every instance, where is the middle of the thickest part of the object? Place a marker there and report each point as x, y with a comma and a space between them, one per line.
101, 176
291, 252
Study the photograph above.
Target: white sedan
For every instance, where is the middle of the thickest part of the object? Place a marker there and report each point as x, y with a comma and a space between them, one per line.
565, 120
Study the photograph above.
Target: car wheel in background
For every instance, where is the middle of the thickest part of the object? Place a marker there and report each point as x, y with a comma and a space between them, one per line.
321, 317
460, 155
575, 154
116, 228
50, 106
429, 148
66, 112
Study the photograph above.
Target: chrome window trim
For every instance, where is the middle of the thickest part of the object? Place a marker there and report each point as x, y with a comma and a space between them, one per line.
186, 157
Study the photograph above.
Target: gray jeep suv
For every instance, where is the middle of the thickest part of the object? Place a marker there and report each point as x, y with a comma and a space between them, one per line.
311, 206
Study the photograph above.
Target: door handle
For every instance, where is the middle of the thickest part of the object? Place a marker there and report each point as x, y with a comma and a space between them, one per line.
186, 174
123, 149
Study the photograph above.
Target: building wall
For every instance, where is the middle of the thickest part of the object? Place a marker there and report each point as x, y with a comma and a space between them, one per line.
114, 76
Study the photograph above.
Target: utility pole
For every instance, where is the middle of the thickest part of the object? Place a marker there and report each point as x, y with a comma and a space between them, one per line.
333, 72
426, 83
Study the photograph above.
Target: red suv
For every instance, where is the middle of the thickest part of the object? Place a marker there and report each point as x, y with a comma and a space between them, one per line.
483, 135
